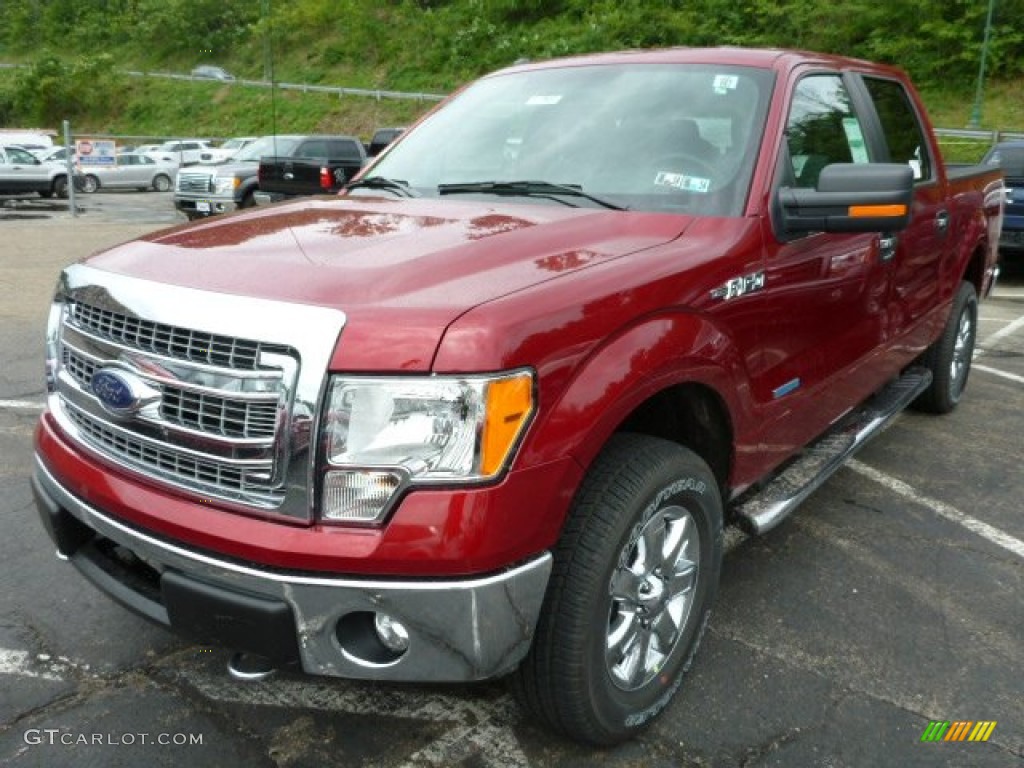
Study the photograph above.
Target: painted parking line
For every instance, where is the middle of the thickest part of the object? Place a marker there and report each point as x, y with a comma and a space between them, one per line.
39, 666
997, 372
999, 335
22, 405
991, 533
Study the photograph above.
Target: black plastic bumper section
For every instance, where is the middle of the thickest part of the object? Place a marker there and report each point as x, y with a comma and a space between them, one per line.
198, 610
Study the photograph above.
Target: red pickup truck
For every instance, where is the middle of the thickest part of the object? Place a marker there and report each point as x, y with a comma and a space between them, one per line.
487, 412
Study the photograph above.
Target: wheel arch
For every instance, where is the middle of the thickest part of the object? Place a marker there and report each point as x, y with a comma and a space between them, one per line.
676, 376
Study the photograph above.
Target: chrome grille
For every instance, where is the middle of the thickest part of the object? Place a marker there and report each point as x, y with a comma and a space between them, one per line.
212, 393
231, 417
169, 340
195, 182
165, 461
218, 424
218, 415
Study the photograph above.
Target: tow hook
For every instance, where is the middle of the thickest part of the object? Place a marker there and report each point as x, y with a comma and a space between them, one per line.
250, 667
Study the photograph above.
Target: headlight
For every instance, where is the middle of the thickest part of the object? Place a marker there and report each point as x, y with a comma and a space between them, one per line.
384, 434
226, 184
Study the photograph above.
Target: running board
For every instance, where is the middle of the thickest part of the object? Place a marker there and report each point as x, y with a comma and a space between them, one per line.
769, 505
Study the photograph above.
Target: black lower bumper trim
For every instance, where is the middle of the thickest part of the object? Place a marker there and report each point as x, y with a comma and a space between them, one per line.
233, 619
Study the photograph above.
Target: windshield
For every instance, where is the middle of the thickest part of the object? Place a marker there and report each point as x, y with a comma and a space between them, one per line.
268, 145
668, 138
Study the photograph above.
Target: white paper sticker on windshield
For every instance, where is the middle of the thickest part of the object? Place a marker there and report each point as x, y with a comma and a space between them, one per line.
681, 181
725, 83
544, 100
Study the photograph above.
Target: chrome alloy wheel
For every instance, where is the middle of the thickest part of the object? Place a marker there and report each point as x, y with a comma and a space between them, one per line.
652, 592
963, 349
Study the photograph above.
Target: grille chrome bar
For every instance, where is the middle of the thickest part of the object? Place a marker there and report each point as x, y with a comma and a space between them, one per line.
171, 341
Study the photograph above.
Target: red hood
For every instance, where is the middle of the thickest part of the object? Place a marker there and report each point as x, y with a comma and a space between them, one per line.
400, 270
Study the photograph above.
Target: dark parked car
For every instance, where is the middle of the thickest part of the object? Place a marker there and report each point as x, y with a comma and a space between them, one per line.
381, 138
1009, 155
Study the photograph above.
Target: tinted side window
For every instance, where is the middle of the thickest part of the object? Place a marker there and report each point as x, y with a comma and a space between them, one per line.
1009, 158
315, 148
345, 150
822, 129
900, 126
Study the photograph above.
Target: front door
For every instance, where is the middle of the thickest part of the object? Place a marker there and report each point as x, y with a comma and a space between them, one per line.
826, 293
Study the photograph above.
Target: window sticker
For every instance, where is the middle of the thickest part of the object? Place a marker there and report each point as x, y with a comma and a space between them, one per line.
544, 99
696, 184
855, 138
725, 83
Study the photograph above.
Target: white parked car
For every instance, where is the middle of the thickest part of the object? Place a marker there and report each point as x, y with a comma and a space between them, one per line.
225, 151
180, 151
132, 171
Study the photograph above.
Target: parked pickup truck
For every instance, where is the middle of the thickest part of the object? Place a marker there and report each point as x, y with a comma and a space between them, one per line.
205, 190
488, 412
22, 173
310, 165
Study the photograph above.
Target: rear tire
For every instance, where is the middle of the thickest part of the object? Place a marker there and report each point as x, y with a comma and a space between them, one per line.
635, 574
161, 183
90, 184
949, 356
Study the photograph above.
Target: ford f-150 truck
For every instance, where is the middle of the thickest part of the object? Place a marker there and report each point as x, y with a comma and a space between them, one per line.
487, 412
206, 190
309, 165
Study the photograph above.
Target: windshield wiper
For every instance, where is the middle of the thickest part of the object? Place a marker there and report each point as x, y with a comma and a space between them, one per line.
399, 187
526, 189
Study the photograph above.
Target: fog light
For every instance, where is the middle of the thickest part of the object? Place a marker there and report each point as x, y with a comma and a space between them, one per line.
358, 496
391, 632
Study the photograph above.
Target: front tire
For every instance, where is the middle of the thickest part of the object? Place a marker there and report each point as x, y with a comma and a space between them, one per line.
635, 574
60, 186
162, 183
90, 184
949, 357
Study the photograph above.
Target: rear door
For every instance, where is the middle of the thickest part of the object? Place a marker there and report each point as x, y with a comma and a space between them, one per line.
918, 252
21, 172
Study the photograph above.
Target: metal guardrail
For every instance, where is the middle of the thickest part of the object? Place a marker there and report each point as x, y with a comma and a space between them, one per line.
376, 93
978, 135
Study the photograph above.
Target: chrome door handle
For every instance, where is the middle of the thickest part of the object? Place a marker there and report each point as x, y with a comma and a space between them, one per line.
942, 222
887, 247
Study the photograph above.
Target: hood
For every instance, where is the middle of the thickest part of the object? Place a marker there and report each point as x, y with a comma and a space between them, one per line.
388, 264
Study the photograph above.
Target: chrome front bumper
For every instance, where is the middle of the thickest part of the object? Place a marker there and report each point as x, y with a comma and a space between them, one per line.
459, 630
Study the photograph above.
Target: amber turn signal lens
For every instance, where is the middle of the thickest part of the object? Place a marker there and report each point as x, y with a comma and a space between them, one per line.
509, 406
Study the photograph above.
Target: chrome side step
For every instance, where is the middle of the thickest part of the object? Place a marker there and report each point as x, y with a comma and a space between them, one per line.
766, 507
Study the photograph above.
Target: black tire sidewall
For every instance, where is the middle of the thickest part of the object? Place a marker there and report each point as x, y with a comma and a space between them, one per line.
688, 484
940, 397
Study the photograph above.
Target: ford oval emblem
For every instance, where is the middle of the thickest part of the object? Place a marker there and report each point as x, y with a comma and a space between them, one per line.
118, 391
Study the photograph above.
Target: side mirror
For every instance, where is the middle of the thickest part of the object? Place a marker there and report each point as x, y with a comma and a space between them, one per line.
851, 197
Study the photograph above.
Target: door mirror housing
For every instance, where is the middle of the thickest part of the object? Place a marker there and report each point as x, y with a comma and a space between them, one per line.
850, 197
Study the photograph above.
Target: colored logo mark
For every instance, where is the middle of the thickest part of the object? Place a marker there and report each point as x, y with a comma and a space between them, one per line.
958, 730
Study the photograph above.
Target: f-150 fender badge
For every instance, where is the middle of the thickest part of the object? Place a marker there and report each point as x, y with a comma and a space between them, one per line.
739, 286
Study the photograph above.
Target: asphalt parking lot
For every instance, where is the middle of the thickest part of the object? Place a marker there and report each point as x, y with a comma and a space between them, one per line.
891, 599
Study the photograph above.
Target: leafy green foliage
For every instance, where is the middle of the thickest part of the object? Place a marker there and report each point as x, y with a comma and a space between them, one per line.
52, 89
436, 45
